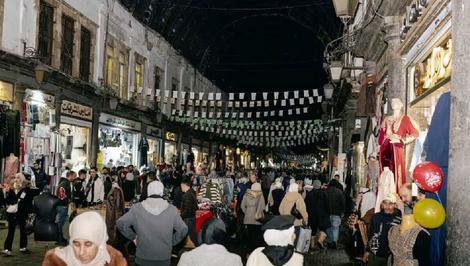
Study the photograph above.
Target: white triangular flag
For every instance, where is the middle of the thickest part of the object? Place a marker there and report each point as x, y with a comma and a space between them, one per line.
273, 113
265, 95
245, 104
241, 96
231, 96
289, 112
301, 101
286, 95
310, 100
306, 93
276, 95
296, 94
283, 102
266, 103
218, 96
319, 98
211, 96
315, 92
291, 102
253, 96
297, 111
252, 104
191, 95
259, 103
305, 110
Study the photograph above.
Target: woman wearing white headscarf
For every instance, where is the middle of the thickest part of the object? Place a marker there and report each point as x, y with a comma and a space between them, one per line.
291, 199
87, 245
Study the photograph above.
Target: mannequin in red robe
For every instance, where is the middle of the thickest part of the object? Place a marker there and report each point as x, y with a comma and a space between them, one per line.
396, 131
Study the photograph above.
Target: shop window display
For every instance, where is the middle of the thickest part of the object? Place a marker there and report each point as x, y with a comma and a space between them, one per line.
170, 152
75, 141
118, 147
153, 153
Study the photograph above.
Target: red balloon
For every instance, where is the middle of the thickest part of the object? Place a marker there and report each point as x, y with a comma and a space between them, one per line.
428, 176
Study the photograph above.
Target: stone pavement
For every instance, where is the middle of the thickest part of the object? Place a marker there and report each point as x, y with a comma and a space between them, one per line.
38, 249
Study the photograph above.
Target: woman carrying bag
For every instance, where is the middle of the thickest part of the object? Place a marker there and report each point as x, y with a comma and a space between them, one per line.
19, 204
253, 207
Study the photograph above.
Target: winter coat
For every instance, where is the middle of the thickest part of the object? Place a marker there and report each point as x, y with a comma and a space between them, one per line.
189, 204
78, 193
114, 211
64, 191
51, 259
252, 203
288, 202
318, 209
335, 200
45, 228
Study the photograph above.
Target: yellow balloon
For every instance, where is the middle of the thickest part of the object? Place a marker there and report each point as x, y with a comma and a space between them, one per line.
429, 213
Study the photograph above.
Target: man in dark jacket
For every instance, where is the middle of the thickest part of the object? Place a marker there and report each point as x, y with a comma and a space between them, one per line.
318, 210
377, 250
78, 192
188, 208
64, 193
336, 203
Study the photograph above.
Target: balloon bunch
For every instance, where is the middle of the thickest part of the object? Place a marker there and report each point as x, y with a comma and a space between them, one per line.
429, 213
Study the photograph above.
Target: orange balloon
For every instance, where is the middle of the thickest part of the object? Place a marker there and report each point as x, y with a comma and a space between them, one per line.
429, 213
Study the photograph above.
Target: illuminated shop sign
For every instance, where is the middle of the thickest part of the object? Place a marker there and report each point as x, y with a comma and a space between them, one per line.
6, 91
435, 68
170, 136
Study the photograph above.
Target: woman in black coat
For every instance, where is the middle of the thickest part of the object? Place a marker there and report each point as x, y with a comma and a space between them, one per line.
316, 202
19, 194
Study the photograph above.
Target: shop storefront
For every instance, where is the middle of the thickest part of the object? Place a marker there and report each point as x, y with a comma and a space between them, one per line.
170, 147
75, 135
118, 141
39, 142
428, 77
154, 138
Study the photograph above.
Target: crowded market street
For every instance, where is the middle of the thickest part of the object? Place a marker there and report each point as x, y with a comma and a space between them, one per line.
234, 132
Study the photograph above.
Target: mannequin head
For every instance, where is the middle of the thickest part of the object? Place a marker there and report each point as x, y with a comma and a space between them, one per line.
396, 104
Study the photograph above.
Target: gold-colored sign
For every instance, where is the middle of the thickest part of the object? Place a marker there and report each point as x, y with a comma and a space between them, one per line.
434, 69
170, 136
6, 91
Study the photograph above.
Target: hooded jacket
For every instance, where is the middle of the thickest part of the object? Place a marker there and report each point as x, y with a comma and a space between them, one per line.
288, 202
252, 202
258, 258
157, 226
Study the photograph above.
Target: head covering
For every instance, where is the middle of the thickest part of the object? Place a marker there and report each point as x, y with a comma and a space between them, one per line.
155, 188
279, 222
308, 181
391, 198
291, 181
213, 232
294, 187
278, 184
256, 187
316, 184
88, 226
278, 234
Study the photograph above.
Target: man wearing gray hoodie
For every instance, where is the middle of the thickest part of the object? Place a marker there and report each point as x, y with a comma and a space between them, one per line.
155, 226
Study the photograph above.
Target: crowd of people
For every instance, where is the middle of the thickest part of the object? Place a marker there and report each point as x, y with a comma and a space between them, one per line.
153, 216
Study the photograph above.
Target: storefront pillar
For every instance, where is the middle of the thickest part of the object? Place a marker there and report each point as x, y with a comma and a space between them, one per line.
95, 143
396, 88
458, 187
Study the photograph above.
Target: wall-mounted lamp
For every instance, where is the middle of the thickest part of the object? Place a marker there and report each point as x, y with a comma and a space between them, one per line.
336, 68
328, 90
40, 71
113, 103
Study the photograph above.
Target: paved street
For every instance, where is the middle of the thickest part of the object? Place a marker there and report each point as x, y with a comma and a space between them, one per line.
38, 249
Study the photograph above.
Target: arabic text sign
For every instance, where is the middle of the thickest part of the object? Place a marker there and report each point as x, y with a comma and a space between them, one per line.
76, 110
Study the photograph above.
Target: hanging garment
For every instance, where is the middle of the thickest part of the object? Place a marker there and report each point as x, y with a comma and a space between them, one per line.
393, 154
373, 173
410, 248
12, 165
436, 147
386, 187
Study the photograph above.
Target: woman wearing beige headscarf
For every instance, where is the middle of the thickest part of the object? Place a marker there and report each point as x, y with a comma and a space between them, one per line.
87, 245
